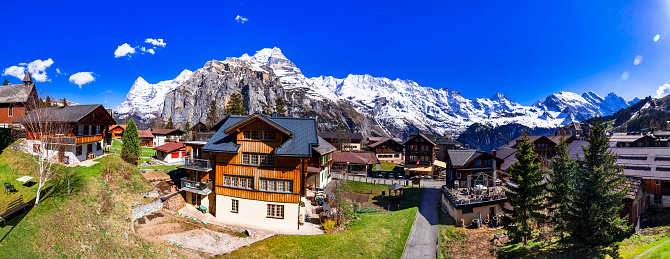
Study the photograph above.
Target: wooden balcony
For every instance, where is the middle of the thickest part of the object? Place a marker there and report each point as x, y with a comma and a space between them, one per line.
69, 140
203, 188
202, 165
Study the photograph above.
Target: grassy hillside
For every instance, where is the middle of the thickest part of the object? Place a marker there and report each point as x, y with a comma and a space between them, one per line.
380, 235
90, 222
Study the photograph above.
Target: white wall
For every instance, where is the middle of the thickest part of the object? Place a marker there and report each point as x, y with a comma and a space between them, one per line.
159, 140
168, 158
253, 212
70, 151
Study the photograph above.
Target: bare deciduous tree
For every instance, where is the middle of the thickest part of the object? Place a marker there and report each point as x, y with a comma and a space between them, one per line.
48, 135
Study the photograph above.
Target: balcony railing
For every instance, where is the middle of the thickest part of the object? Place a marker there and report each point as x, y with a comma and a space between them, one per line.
70, 140
203, 188
197, 164
200, 136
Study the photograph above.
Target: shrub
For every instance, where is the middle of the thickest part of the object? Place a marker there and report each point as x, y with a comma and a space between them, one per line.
328, 224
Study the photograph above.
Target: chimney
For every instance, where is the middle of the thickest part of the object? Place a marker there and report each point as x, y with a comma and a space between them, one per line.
274, 115
494, 152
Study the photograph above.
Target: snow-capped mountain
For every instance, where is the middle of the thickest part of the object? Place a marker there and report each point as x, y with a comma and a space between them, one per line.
374, 105
145, 100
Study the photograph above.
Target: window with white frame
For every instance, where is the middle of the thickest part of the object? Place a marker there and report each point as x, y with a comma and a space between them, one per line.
245, 182
275, 211
235, 206
258, 159
11, 111
276, 185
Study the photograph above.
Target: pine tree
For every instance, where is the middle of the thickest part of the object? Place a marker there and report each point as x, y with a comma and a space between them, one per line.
47, 102
267, 109
130, 151
41, 102
169, 124
64, 102
187, 127
235, 105
593, 215
280, 108
527, 196
212, 115
559, 186
6, 82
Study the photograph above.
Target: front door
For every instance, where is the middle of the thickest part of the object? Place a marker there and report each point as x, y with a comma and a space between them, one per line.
61, 154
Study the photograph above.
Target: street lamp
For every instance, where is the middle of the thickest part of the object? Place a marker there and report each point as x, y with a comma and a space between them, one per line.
347, 171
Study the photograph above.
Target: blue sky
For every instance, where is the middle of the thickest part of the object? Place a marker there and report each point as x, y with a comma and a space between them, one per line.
523, 49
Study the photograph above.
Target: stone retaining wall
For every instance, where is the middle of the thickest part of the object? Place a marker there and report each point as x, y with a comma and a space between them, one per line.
146, 209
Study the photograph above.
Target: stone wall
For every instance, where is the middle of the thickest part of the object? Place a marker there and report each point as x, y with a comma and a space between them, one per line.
174, 203
146, 209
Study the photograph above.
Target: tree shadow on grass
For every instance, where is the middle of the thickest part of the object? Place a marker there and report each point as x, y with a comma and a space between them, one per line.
59, 188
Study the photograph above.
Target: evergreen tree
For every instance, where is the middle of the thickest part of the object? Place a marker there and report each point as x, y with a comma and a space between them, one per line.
64, 102
6, 82
527, 196
212, 115
235, 105
131, 150
187, 127
559, 186
593, 215
169, 124
280, 108
267, 109
47, 102
41, 102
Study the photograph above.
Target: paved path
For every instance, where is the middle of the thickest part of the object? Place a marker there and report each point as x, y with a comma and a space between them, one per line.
422, 240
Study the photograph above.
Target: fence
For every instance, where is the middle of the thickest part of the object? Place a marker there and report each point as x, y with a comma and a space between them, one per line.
365, 179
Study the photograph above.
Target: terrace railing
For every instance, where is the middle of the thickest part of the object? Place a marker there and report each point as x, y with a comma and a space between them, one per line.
203, 188
197, 164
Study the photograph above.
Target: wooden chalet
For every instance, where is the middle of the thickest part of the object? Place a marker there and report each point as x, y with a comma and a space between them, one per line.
388, 149
146, 138
17, 100
355, 162
259, 169
635, 201
116, 131
544, 145
578, 129
80, 130
344, 141
420, 154
162, 136
472, 167
319, 166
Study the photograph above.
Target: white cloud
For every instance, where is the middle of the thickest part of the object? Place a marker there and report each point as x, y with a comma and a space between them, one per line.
108, 91
36, 68
663, 90
60, 72
156, 42
240, 19
14, 71
152, 51
82, 78
124, 50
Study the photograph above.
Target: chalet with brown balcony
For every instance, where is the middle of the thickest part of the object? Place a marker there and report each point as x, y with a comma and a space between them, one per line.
260, 168
319, 166
17, 100
343, 141
420, 154
76, 132
388, 149
198, 183
116, 131
472, 167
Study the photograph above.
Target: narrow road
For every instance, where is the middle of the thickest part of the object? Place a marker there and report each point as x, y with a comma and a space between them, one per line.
422, 240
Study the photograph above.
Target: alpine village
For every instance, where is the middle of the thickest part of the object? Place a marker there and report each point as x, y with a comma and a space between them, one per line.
247, 157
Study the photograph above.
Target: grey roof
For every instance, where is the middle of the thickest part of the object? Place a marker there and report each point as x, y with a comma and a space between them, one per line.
462, 156
15, 93
447, 141
432, 138
382, 141
334, 135
27, 77
509, 157
663, 133
324, 147
645, 162
299, 145
70, 114
626, 138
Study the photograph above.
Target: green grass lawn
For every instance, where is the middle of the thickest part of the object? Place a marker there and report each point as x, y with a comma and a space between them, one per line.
380, 235
388, 166
161, 167
89, 222
117, 145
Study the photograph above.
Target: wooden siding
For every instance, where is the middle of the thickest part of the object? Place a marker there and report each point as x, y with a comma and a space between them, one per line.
87, 139
652, 188
287, 168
